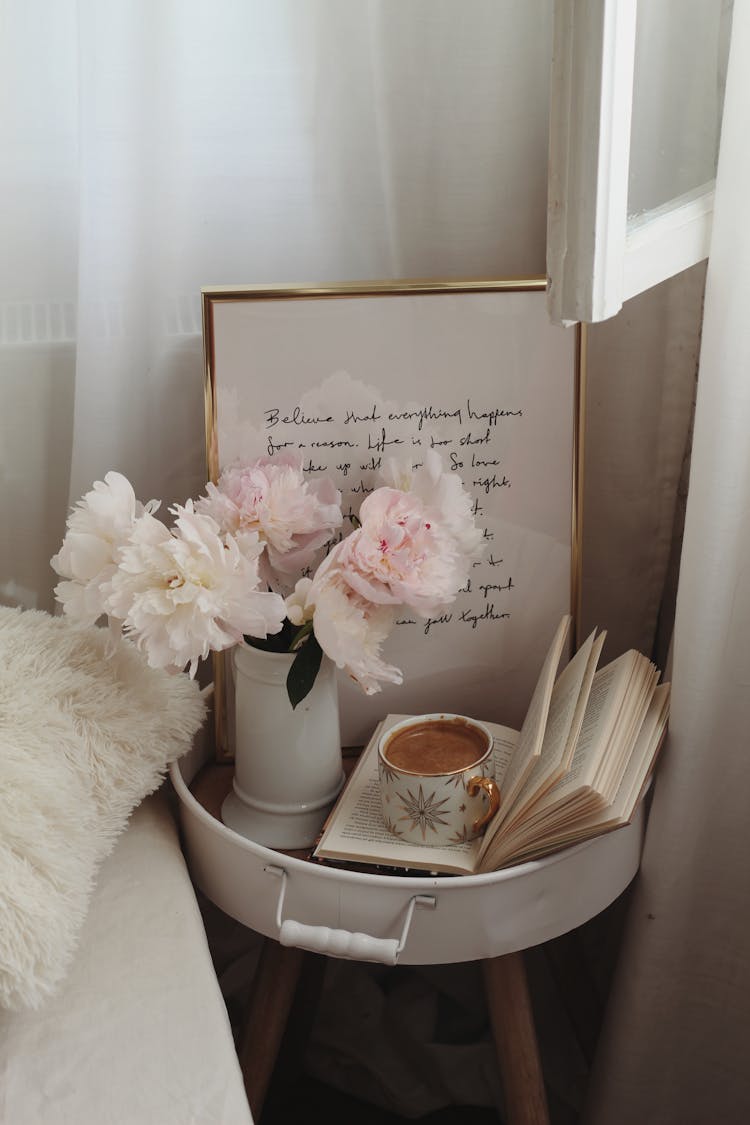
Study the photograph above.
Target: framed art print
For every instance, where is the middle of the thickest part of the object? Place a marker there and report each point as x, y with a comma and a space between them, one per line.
351, 375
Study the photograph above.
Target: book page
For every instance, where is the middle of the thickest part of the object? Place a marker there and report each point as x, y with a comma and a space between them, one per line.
532, 731
541, 831
504, 745
601, 711
641, 763
622, 810
583, 701
567, 707
610, 771
599, 720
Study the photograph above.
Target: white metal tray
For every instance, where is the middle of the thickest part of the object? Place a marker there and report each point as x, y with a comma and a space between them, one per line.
388, 918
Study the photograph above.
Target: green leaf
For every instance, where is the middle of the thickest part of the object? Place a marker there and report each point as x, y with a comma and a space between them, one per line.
275, 642
303, 671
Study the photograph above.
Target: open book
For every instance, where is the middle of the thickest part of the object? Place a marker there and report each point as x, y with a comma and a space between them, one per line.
577, 768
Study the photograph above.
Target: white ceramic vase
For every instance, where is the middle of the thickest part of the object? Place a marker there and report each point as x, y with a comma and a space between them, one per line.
287, 767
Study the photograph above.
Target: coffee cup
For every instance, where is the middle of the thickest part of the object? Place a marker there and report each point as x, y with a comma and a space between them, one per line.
436, 783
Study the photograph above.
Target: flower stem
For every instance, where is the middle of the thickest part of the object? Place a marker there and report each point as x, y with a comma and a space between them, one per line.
300, 636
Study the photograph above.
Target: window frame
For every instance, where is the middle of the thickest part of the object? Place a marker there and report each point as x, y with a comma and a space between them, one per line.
597, 257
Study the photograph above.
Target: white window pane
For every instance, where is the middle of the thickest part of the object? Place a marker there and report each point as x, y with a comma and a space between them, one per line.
681, 53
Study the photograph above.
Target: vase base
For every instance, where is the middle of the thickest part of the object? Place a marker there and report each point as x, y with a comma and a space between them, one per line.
288, 829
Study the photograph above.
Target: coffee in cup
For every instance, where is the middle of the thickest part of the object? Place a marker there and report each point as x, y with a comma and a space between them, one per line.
435, 779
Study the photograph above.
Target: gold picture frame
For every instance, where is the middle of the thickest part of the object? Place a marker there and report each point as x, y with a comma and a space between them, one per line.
472, 366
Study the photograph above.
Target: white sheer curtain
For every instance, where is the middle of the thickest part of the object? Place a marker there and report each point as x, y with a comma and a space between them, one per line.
151, 147
276, 142
676, 1044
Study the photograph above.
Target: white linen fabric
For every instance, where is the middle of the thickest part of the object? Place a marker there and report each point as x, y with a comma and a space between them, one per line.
138, 1034
676, 1044
87, 730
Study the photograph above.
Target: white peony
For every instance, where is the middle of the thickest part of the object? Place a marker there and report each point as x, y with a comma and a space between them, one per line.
184, 593
298, 609
97, 528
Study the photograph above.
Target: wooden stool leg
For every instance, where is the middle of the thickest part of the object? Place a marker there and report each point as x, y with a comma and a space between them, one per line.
268, 1009
515, 1039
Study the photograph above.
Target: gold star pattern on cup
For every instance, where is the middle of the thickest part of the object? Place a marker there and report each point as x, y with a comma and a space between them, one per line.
388, 773
424, 812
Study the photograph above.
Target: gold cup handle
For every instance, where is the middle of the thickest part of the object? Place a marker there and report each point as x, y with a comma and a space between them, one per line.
493, 796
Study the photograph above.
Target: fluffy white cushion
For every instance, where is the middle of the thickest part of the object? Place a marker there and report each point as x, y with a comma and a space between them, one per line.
85, 734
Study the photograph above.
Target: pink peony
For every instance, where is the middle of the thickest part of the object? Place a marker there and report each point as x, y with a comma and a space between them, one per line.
294, 517
401, 555
446, 501
350, 629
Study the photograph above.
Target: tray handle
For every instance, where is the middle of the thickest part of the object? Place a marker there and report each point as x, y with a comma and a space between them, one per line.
347, 944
